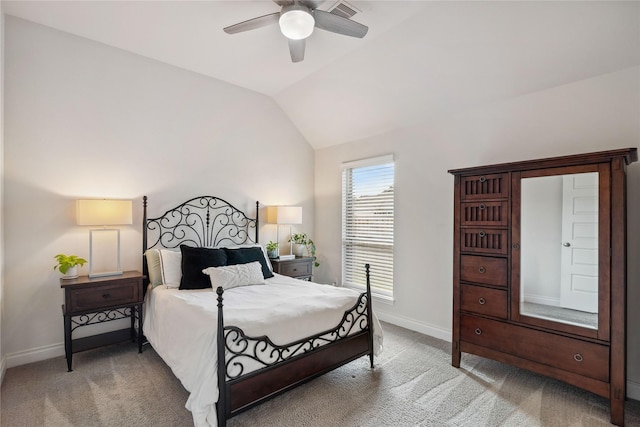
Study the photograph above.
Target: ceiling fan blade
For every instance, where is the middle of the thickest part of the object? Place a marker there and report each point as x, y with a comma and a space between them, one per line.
252, 24
337, 24
296, 49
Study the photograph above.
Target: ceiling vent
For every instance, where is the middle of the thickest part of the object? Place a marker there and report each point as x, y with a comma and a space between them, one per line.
343, 9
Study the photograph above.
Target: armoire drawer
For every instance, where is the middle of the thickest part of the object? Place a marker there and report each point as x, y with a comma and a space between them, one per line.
483, 269
481, 300
492, 186
484, 240
483, 213
569, 354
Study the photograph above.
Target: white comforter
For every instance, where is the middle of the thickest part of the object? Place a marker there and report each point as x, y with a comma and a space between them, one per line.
181, 327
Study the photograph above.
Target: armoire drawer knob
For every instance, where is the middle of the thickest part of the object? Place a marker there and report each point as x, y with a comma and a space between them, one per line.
578, 357
483, 179
478, 331
482, 234
482, 301
482, 270
482, 207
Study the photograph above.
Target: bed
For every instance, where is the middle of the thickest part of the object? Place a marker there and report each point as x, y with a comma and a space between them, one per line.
273, 334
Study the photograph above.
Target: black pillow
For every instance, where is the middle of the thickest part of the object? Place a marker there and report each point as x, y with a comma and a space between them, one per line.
246, 255
194, 260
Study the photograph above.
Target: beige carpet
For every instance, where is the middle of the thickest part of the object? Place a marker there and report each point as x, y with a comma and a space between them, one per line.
413, 384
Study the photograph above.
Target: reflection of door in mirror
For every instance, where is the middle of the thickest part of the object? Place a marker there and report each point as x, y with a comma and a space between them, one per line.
559, 236
579, 265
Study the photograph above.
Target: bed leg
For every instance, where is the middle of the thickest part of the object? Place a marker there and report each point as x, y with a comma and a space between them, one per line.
369, 314
221, 406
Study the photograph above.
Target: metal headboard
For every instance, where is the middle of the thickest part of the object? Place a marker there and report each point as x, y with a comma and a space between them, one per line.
205, 221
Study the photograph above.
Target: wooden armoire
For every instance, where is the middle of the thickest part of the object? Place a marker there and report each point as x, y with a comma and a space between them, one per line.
539, 268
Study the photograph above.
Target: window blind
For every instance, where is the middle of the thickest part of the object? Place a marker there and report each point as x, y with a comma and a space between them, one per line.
367, 223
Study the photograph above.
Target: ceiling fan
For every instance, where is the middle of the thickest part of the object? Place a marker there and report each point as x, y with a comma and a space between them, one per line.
297, 19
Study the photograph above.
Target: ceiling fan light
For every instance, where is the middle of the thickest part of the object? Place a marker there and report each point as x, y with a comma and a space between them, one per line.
296, 22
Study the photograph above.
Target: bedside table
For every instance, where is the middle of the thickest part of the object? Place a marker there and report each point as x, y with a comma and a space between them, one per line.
88, 301
300, 267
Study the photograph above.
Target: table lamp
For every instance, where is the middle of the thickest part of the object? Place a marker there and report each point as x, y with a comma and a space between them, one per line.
104, 243
284, 215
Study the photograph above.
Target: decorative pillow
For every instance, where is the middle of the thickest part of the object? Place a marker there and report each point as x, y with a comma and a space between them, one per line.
254, 245
194, 260
245, 255
233, 276
171, 267
153, 265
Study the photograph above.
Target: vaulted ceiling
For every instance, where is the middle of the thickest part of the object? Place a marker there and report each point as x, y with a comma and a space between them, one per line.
420, 59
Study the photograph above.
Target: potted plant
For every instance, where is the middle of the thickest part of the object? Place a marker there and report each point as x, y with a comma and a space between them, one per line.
272, 249
68, 265
302, 241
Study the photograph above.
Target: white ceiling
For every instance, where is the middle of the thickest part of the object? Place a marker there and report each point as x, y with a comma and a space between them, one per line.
419, 60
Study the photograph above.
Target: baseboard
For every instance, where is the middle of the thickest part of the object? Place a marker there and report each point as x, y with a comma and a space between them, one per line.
423, 328
3, 368
34, 355
633, 390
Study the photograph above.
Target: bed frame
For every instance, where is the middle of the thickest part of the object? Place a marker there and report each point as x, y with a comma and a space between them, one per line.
209, 221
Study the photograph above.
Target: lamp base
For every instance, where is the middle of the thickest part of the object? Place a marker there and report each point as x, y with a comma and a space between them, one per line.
108, 273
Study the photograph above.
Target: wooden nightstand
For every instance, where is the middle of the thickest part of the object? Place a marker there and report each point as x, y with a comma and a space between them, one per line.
300, 268
88, 301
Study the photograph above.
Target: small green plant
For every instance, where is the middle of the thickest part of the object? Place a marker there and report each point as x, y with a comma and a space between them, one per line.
65, 262
272, 249
303, 239
271, 246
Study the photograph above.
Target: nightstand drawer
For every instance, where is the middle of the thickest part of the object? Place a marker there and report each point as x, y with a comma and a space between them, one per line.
103, 296
296, 269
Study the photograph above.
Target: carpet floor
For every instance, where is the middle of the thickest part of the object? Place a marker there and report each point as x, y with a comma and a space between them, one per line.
413, 384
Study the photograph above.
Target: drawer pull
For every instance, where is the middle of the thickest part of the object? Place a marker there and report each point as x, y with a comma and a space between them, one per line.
578, 357
482, 234
482, 207
482, 301
295, 269
482, 270
106, 295
478, 331
483, 179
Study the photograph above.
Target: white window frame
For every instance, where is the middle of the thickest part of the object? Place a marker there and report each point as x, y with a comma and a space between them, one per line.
353, 275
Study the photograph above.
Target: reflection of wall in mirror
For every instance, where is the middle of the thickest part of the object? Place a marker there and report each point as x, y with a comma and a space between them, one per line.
541, 235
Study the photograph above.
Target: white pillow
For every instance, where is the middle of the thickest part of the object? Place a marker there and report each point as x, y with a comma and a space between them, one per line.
171, 267
232, 276
153, 265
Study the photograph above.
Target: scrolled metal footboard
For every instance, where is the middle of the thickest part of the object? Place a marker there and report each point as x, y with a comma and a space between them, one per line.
247, 354
256, 369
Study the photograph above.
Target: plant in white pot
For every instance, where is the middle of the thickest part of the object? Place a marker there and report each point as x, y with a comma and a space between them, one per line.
301, 242
68, 265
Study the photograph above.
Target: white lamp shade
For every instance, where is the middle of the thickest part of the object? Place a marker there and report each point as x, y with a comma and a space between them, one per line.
296, 22
103, 212
284, 214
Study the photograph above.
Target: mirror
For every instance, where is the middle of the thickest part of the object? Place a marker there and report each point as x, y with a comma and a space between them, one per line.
559, 248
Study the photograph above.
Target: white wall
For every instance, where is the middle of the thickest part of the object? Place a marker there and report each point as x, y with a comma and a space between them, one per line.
2, 358
595, 114
84, 120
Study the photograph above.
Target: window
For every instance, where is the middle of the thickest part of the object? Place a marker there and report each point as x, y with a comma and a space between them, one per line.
367, 223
